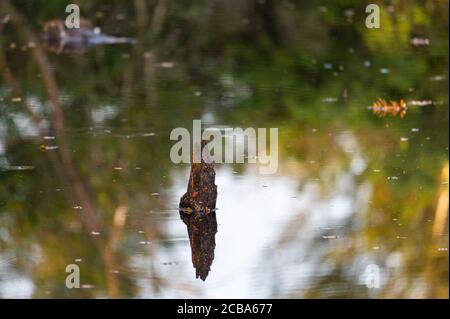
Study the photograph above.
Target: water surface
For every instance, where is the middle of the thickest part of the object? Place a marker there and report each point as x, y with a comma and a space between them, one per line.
86, 177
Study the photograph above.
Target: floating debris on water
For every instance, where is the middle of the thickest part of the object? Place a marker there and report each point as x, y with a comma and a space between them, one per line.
78, 207
145, 242
385, 71
382, 108
437, 78
330, 237
169, 263
16, 99
392, 178
167, 65
148, 134
420, 42
95, 233
404, 139
118, 168
329, 100
87, 286
415, 130
154, 194
420, 103
44, 147
18, 168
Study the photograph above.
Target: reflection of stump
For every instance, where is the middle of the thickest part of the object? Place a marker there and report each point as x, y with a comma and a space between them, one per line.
197, 210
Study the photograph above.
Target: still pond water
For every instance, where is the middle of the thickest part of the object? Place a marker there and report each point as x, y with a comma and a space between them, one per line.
86, 177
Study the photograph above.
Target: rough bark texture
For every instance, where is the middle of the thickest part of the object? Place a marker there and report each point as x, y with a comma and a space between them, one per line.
198, 212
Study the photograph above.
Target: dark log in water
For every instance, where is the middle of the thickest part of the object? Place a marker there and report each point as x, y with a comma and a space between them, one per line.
60, 39
198, 212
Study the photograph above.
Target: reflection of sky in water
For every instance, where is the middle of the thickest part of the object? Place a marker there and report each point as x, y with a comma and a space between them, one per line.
249, 216
255, 214
12, 283
102, 113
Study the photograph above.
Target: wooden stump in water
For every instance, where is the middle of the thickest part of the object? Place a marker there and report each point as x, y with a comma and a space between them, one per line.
198, 212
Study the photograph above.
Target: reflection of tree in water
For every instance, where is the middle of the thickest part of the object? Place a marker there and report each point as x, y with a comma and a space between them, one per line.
198, 212
104, 231
319, 256
63, 164
136, 86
